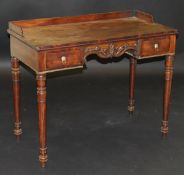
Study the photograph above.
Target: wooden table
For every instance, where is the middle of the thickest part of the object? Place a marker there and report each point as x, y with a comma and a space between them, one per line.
62, 43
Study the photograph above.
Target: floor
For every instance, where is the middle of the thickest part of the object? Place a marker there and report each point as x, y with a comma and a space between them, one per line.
89, 129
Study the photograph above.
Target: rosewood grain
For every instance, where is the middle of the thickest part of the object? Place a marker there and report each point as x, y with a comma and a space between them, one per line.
16, 95
62, 43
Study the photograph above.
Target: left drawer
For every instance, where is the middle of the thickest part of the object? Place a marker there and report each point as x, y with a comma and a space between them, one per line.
65, 58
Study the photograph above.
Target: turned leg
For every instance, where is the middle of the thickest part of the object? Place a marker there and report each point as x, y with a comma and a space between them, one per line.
16, 95
41, 96
167, 93
131, 102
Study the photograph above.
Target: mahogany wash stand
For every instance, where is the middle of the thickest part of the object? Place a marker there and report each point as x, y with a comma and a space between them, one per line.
63, 43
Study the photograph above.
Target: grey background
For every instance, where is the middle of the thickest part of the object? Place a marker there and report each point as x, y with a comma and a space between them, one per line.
168, 12
89, 129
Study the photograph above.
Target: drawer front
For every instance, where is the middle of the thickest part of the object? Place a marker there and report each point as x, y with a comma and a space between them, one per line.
66, 58
155, 46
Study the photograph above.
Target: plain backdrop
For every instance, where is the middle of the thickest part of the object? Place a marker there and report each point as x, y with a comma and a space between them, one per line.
88, 126
167, 12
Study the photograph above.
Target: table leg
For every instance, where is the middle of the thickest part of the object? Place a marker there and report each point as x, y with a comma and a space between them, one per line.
167, 93
131, 102
41, 96
16, 94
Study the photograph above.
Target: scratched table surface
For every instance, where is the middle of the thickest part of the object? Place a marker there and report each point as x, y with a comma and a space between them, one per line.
58, 34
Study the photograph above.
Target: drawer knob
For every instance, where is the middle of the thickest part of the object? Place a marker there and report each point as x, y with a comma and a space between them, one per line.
156, 45
63, 59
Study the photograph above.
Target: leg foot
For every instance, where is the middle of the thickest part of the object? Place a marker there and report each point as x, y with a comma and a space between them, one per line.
43, 158
131, 107
164, 128
18, 129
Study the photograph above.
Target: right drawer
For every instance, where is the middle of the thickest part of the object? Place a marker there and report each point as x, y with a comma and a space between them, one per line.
155, 46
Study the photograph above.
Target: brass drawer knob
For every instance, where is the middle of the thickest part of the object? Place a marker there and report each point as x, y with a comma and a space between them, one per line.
63, 59
156, 45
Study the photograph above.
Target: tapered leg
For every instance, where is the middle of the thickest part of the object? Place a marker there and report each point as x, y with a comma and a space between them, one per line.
16, 95
167, 93
41, 96
131, 103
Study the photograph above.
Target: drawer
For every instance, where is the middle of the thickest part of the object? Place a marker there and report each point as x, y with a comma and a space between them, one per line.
66, 58
155, 46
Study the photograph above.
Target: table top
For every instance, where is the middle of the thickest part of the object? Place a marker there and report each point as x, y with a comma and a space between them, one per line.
50, 32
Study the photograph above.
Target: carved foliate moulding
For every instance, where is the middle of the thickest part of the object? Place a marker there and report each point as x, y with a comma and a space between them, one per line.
111, 50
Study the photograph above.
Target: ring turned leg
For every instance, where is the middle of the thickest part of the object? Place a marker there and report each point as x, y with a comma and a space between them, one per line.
41, 96
16, 95
167, 93
131, 102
